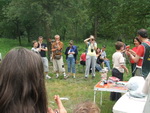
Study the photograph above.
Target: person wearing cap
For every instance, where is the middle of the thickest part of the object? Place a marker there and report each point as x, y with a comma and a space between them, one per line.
91, 55
104, 58
58, 64
71, 55
142, 55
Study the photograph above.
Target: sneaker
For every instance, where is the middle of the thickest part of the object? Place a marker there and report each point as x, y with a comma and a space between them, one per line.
74, 76
64, 74
57, 75
48, 77
65, 77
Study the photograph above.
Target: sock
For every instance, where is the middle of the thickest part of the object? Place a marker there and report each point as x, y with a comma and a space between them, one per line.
64, 74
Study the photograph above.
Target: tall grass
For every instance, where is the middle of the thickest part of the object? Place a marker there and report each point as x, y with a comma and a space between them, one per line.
76, 90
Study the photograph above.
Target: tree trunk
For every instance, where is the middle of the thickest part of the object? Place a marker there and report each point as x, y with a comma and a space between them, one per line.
76, 30
48, 38
64, 33
18, 32
95, 27
28, 33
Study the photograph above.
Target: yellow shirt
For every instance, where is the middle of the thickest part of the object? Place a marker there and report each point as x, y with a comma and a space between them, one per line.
90, 48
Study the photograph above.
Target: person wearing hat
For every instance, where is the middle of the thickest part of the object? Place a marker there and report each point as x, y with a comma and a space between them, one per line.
71, 55
142, 55
104, 58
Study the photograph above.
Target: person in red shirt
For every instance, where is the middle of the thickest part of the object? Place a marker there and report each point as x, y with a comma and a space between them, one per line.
142, 55
83, 59
136, 42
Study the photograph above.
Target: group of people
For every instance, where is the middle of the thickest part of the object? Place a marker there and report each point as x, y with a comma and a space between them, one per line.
140, 62
22, 83
93, 58
41, 48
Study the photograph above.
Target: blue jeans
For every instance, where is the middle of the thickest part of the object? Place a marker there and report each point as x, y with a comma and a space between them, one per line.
98, 67
107, 62
71, 64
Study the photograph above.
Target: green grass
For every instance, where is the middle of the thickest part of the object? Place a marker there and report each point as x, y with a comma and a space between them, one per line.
7, 44
77, 90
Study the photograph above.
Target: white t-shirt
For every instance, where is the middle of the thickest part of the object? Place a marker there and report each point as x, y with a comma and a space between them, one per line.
118, 60
70, 55
103, 54
35, 50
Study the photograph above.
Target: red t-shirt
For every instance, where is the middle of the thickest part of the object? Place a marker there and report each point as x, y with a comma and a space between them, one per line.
83, 57
134, 49
140, 52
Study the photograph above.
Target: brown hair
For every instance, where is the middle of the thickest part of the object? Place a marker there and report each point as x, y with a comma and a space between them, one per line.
33, 42
22, 87
87, 107
118, 45
40, 37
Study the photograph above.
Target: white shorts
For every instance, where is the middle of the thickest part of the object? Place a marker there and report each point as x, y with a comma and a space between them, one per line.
45, 64
58, 65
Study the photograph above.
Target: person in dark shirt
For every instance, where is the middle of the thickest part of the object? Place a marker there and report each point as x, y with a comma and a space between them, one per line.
71, 55
43, 48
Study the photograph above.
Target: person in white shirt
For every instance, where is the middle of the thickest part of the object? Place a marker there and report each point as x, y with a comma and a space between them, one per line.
35, 45
103, 56
118, 67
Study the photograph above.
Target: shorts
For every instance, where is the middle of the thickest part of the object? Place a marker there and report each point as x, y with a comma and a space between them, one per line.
58, 65
45, 64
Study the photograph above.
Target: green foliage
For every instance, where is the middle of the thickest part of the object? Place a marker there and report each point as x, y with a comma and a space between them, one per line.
73, 19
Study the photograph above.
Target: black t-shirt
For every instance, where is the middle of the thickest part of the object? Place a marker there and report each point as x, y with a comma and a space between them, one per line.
99, 61
42, 53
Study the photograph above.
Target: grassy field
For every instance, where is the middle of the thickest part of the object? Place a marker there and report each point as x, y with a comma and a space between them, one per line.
76, 90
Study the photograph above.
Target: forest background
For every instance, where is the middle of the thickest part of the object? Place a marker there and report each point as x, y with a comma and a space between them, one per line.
73, 19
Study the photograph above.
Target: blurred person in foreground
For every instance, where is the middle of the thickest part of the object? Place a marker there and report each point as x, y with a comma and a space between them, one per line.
22, 85
146, 90
87, 107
